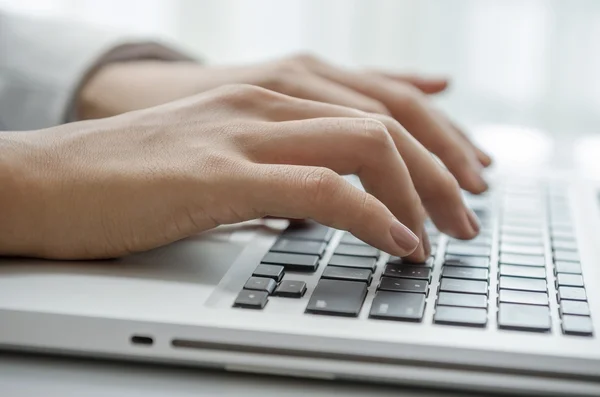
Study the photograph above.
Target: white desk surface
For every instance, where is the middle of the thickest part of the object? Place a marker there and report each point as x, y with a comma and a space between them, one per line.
34, 375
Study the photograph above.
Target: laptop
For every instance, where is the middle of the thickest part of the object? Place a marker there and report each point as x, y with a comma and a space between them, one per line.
515, 310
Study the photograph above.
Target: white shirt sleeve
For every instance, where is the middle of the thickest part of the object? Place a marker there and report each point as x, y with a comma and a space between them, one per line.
43, 63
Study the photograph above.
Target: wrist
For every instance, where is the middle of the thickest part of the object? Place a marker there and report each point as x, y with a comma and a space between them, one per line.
16, 191
121, 87
99, 94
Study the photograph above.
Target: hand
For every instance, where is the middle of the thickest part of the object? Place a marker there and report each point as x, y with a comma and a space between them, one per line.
121, 87
114, 186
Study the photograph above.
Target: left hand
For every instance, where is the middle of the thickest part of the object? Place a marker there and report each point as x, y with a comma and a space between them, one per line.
122, 87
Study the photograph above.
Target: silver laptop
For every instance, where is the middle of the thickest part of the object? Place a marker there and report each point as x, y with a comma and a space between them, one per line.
517, 309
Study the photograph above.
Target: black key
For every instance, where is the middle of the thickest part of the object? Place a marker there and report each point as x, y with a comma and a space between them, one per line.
578, 308
467, 273
523, 271
407, 271
467, 261
271, 271
572, 293
465, 286
524, 317
565, 245
396, 260
353, 261
295, 262
521, 240
261, 284
522, 249
250, 299
337, 297
465, 316
402, 285
347, 273
291, 289
299, 247
566, 256
567, 267
467, 250
308, 230
403, 306
524, 297
569, 280
348, 238
523, 260
463, 300
522, 284
577, 325
357, 250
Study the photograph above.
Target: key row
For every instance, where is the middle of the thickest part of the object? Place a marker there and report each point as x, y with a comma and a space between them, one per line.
572, 297
267, 280
401, 291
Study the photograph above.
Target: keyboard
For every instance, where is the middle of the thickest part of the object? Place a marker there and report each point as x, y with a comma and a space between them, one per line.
525, 256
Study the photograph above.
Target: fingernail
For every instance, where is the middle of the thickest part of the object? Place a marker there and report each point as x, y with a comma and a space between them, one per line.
403, 237
473, 220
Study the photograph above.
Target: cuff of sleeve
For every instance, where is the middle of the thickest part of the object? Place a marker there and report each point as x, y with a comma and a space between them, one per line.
43, 64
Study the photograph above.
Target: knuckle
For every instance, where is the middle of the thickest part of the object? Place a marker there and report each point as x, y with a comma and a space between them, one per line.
242, 94
285, 78
236, 89
320, 184
290, 66
305, 59
409, 97
365, 209
215, 162
377, 135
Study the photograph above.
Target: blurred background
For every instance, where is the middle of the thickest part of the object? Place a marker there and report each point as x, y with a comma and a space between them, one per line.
527, 63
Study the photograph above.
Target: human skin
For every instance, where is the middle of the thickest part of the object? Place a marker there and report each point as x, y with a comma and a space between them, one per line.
113, 186
122, 87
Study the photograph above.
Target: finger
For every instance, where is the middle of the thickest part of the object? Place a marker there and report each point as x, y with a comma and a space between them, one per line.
360, 146
310, 86
321, 194
410, 107
433, 85
437, 189
482, 156
438, 136
428, 85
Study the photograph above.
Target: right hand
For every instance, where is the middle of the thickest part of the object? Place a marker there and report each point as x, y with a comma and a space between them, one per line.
110, 187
